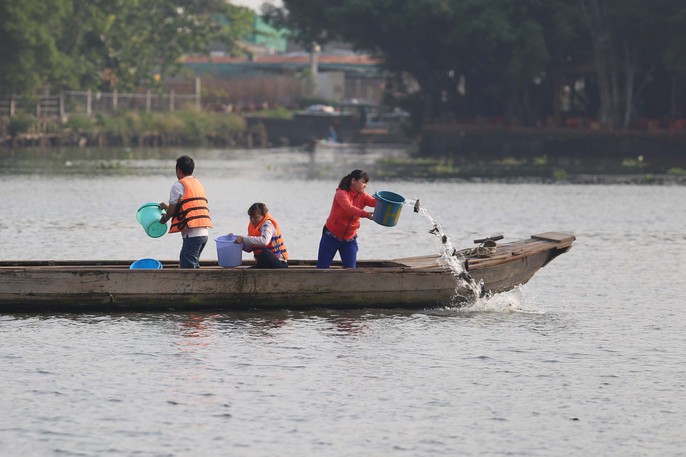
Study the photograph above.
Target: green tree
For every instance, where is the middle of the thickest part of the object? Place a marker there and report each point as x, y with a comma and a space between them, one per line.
130, 43
464, 55
511, 53
633, 42
105, 44
673, 64
511, 58
28, 48
408, 35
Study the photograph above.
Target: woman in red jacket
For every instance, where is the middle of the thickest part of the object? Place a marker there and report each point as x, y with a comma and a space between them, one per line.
340, 231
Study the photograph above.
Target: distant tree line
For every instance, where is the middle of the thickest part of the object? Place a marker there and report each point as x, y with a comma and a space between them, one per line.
108, 44
525, 61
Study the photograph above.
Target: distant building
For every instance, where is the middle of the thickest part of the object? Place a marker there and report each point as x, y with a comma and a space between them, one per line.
339, 76
227, 66
265, 36
339, 72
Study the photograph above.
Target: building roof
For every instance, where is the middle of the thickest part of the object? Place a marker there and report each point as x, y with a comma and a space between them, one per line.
292, 58
228, 66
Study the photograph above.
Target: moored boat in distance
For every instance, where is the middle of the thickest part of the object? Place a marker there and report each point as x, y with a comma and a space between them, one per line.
414, 282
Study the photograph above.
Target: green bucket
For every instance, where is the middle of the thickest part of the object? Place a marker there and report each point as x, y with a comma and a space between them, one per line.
149, 217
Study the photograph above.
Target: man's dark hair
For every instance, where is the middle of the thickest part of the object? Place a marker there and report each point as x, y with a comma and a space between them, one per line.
186, 165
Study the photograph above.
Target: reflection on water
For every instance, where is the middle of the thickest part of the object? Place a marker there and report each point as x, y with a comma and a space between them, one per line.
320, 164
196, 330
199, 329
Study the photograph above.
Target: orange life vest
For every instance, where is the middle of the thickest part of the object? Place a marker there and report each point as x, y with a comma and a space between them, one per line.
276, 244
191, 209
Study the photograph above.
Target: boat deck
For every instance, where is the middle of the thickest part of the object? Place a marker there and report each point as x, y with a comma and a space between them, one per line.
504, 252
300, 265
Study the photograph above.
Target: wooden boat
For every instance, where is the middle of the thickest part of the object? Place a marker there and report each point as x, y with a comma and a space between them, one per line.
418, 282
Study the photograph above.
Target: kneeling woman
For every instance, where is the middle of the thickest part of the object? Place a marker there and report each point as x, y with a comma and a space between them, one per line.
340, 231
264, 239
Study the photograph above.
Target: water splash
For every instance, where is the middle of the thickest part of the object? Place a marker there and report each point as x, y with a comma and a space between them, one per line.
451, 258
509, 302
475, 300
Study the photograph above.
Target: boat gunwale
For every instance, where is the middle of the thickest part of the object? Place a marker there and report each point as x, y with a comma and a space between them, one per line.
506, 252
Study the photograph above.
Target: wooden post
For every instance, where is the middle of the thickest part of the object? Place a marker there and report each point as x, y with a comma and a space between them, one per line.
171, 100
115, 99
13, 106
38, 103
197, 93
148, 100
314, 68
61, 105
89, 102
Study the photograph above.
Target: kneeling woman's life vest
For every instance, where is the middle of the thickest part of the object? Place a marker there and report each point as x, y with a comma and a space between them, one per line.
276, 244
191, 209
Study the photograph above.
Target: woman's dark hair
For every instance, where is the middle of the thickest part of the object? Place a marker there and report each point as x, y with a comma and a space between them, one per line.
356, 174
186, 165
261, 207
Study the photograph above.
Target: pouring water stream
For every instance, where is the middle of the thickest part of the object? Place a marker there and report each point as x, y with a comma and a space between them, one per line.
450, 256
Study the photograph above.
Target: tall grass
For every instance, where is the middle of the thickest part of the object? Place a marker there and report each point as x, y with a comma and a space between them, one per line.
132, 128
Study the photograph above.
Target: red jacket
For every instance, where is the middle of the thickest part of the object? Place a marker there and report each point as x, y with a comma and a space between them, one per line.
348, 206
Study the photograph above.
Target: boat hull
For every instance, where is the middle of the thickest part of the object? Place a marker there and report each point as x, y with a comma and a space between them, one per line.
417, 282
119, 289
516, 263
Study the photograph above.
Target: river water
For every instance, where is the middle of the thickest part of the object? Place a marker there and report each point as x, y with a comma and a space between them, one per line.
586, 359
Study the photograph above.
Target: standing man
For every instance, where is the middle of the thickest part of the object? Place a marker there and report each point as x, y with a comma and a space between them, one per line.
189, 214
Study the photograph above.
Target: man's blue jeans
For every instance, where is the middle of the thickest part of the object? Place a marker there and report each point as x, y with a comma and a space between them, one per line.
329, 245
191, 250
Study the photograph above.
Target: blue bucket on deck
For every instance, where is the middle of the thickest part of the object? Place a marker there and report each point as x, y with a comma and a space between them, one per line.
229, 253
388, 206
146, 264
149, 217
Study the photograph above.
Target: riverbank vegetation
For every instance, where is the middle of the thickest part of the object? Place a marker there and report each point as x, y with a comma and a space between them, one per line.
131, 128
533, 169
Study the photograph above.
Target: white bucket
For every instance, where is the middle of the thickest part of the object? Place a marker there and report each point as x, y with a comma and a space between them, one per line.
229, 253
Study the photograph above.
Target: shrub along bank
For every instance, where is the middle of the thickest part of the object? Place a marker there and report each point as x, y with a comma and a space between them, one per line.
132, 128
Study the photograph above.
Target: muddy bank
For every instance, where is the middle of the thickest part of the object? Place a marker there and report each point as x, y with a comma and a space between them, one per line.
653, 152
535, 169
